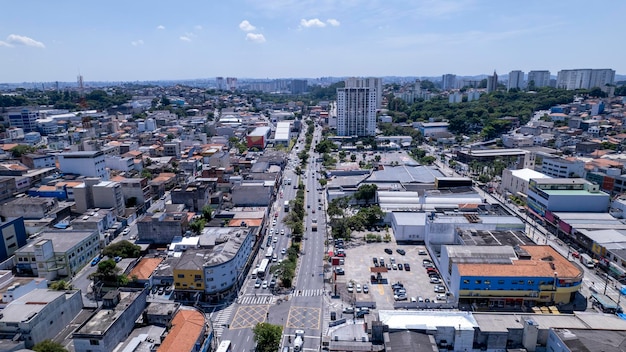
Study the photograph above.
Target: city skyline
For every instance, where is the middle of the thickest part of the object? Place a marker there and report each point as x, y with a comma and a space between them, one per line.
117, 41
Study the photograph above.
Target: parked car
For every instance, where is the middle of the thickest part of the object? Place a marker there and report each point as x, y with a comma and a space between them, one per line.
407, 267
394, 266
375, 260
366, 289
264, 284
388, 251
401, 251
400, 297
117, 259
350, 287
95, 261
273, 283
358, 288
441, 297
435, 280
400, 266
340, 271
348, 310
397, 285
257, 283
126, 231
421, 252
440, 289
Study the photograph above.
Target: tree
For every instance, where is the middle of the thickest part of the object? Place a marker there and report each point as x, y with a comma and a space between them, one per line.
428, 160
165, 101
207, 212
124, 249
353, 157
366, 192
61, 285
107, 273
22, 149
377, 158
49, 346
197, 225
267, 336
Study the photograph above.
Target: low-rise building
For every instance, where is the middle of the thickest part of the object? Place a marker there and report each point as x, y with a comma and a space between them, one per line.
568, 195
194, 195
516, 181
112, 323
258, 138
188, 333
562, 168
162, 227
12, 237
513, 158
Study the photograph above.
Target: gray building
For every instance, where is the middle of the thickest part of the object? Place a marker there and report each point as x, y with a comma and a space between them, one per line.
112, 323
162, 227
39, 315
194, 195
257, 193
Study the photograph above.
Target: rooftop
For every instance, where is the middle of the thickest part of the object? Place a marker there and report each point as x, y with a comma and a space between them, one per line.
187, 326
62, 240
103, 319
26, 307
527, 174
406, 174
426, 320
144, 269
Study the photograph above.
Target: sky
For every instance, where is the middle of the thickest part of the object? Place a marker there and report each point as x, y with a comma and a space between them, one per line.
139, 40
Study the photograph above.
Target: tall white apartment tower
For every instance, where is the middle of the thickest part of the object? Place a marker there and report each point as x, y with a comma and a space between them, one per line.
539, 79
448, 81
356, 106
584, 78
516, 80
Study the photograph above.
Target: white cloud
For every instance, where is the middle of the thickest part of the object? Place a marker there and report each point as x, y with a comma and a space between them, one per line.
160, 26
184, 38
198, 27
255, 37
246, 26
333, 22
15, 39
313, 22
136, 42
5, 44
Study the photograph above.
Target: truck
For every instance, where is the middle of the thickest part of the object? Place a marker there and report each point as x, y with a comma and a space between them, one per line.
286, 206
314, 226
298, 341
586, 260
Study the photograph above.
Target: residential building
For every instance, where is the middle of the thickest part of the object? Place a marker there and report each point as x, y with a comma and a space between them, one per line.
517, 140
30, 208
492, 82
120, 163
137, 188
26, 119
538, 79
57, 253
516, 181
258, 138
162, 227
516, 80
94, 193
562, 168
522, 276
38, 161
356, 106
194, 196
172, 149
188, 332
252, 193
584, 78
448, 81
39, 315
143, 272
112, 323
299, 86
89, 164
12, 236
8, 187
98, 220
566, 195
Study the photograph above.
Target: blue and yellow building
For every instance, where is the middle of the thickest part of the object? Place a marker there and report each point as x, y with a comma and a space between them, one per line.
507, 277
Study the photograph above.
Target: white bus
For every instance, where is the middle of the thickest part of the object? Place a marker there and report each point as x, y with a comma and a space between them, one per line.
224, 346
269, 252
262, 269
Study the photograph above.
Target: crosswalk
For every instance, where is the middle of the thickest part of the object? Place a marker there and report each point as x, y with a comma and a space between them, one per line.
222, 318
308, 293
257, 299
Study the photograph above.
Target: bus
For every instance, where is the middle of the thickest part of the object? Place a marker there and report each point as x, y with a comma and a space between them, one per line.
286, 206
262, 269
269, 252
224, 346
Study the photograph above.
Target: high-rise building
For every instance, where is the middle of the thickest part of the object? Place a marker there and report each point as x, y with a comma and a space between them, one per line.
584, 78
219, 82
448, 81
231, 83
356, 106
539, 79
516, 80
298, 86
492, 82
26, 119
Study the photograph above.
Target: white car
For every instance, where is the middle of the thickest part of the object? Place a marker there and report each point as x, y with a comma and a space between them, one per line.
271, 231
126, 231
282, 231
442, 297
264, 285
350, 287
283, 251
358, 288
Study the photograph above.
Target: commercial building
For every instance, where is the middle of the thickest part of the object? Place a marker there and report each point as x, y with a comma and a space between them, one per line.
258, 138
499, 276
516, 181
194, 196
188, 332
12, 236
283, 133
584, 78
112, 323
299, 86
162, 227
430, 128
57, 253
39, 315
94, 193
89, 164
356, 106
516, 80
513, 158
562, 168
538, 79
38, 161
567, 195
26, 119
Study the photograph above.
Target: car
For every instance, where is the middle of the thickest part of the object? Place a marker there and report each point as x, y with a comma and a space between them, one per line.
375, 260
271, 232
400, 267
275, 239
420, 299
272, 283
350, 287
381, 261
426, 261
366, 289
126, 231
400, 291
401, 297
440, 289
394, 266
274, 258
319, 207
388, 251
282, 231
342, 261
117, 259
348, 310
407, 267
435, 280
427, 300
95, 261
341, 254
161, 290
257, 283
401, 251
441, 297
163, 197
340, 271
283, 251
392, 260
421, 252
413, 300
313, 211
358, 288
397, 285
154, 289
388, 266
274, 222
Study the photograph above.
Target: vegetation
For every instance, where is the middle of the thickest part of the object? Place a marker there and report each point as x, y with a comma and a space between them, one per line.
366, 193
267, 337
107, 273
61, 285
197, 225
207, 212
49, 346
22, 149
124, 249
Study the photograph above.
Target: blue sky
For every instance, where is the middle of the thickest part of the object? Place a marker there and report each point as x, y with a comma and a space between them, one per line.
148, 40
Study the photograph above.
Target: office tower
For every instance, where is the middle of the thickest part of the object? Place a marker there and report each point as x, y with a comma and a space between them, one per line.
492, 82
356, 106
448, 81
219, 82
516, 80
538, 79
584, 78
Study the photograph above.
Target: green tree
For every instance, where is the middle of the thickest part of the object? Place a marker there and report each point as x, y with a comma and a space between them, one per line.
365, 193
49, 346
267, 336
428, 160
207, 212
165, 101
323, 182
61, 285
107, 273
22, 149
197, 225
377, 158
124, 249
353, 157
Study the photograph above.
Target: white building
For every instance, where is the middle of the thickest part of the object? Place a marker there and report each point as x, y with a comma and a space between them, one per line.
563, 168
408, 226
516, 181
90, 164
119, 163
539, 78
584, 78
283, 133
356, 106
516, 80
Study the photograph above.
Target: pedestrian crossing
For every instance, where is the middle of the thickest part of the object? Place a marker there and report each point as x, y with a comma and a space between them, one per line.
308, 293
256, 299
221, 319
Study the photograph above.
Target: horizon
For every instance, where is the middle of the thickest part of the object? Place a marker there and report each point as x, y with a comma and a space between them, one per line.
273, 39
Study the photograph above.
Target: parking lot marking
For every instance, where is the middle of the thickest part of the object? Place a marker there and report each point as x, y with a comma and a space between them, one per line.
381, 290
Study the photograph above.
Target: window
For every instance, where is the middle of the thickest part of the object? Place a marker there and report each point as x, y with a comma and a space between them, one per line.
478, 282
487, 282
181, 276
94, 342
500, 282
466, 281
531, 282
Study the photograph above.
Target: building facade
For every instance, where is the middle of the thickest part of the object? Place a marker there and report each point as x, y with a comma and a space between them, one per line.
89, 164
356, 107
538, 79
584, 78
12, 237
566, 195
492, 82
562, 168
448, 81
516, 80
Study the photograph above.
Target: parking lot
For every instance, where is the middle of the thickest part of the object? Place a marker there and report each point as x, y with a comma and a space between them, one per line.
416, 282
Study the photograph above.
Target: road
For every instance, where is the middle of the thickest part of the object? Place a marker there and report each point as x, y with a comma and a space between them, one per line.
302, 308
